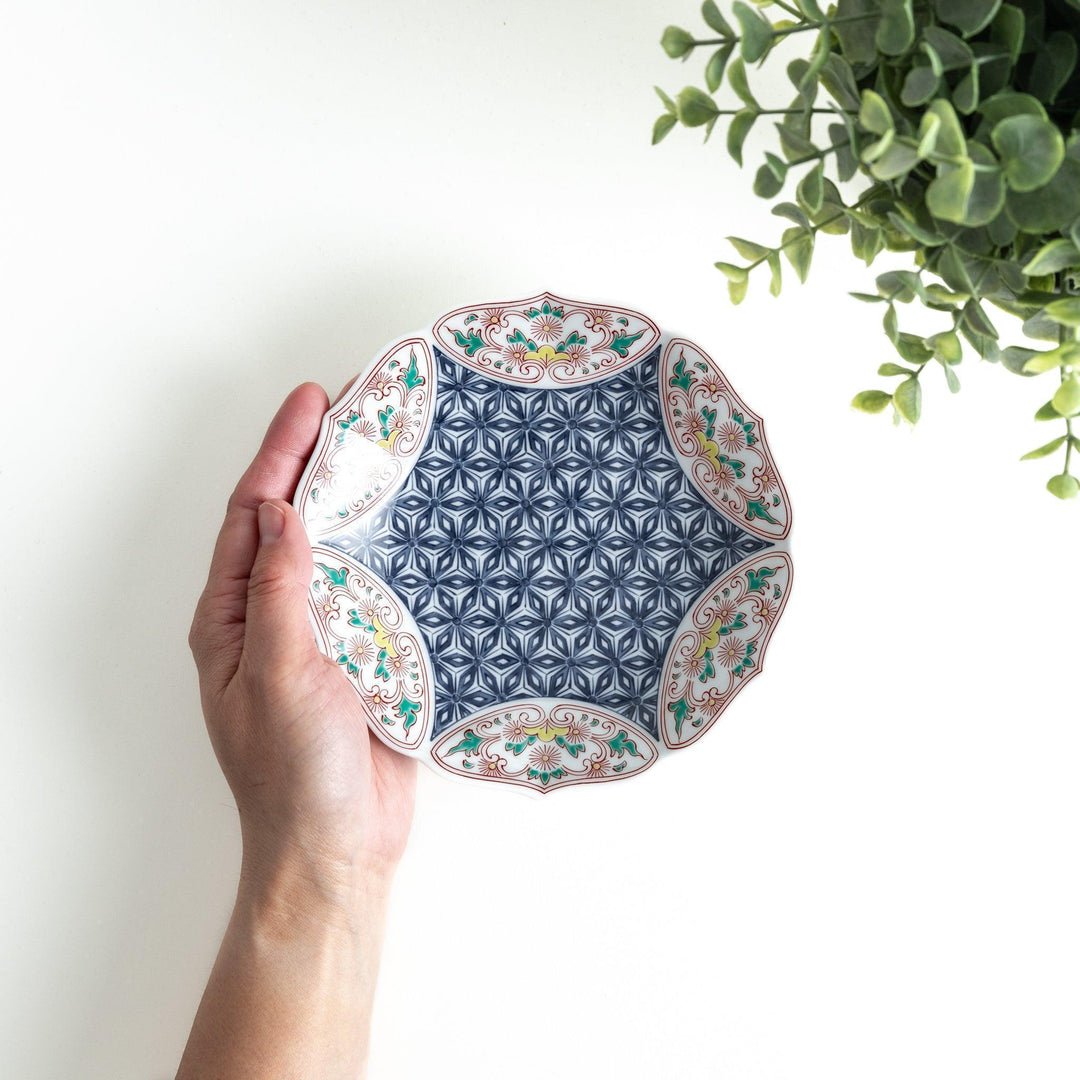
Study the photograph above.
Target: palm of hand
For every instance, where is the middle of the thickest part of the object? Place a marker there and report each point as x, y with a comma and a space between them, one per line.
288, 731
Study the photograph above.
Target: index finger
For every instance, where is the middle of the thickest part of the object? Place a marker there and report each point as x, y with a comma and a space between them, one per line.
273, 474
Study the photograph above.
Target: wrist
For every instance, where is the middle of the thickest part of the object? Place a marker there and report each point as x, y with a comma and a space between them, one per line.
293, 884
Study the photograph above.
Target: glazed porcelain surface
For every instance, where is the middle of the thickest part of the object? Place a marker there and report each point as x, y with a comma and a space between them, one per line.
550, 542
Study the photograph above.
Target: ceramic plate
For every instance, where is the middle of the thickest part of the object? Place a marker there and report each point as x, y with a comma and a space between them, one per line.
550, 542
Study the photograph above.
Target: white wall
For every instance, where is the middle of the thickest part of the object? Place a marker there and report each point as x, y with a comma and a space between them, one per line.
867, 870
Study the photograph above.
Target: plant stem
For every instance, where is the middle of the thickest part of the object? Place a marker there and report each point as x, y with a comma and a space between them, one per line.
1065, 335
814, 229
801, 28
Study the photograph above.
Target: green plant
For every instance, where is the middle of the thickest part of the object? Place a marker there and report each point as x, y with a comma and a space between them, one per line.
963, 116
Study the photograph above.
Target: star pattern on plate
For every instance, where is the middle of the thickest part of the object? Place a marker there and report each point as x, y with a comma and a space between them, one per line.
548, 543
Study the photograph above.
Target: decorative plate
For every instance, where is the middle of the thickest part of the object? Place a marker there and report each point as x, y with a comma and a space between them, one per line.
550, 542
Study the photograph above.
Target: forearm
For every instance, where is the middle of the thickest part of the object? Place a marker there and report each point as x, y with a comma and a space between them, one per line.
291, 991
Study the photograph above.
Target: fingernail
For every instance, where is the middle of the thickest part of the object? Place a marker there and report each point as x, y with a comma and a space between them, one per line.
271, 523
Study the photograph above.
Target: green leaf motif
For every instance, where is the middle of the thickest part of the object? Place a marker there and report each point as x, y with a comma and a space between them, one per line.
407, 711
470, 343
622, 341
337, 577
470, 743
756, 579
757, 509
680, 376
680, 709
623, 744
410, 377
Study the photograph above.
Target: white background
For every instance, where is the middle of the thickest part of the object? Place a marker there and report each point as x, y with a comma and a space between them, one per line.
868, 869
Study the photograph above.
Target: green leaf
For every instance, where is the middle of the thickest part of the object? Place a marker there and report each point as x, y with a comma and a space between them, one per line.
951, 379
1067, 398
738, 129
872, 151
874, 113
1045, 450
946, 347
711, 14
769, 180
1049, 208
952, 53
757, 32
987, 196
913, 349
894, 369
907, 398
1014, 358
738, 279
775, 276
714, 70
470, 743
968, 16
668, 103
839, 81
1047, 412
1053, 66
856, 29
871, 401
799, 249
736, 74
748, 249
664, 123
896, 30
1063, 486
811, 190
1008, 103
676, 42
951, 139
898, 159
868, 298
926, 237
949, 191
920, 85
1065, 311
975, 317
965, 95
1031, 150
1008, 29
929, 126
696, 107
889, 324
1057, 255
792, 212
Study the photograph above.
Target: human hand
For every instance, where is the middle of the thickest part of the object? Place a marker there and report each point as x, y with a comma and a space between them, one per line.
316, 793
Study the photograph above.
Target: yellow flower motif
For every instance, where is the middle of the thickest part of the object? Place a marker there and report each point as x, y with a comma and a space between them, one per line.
545, 731
547, 355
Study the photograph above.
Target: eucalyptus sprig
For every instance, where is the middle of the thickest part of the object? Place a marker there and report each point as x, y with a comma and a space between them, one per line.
963, 116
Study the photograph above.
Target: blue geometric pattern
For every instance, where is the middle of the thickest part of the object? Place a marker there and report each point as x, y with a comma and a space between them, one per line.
548, 543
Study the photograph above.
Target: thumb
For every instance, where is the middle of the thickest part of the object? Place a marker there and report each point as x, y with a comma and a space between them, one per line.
277, 627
